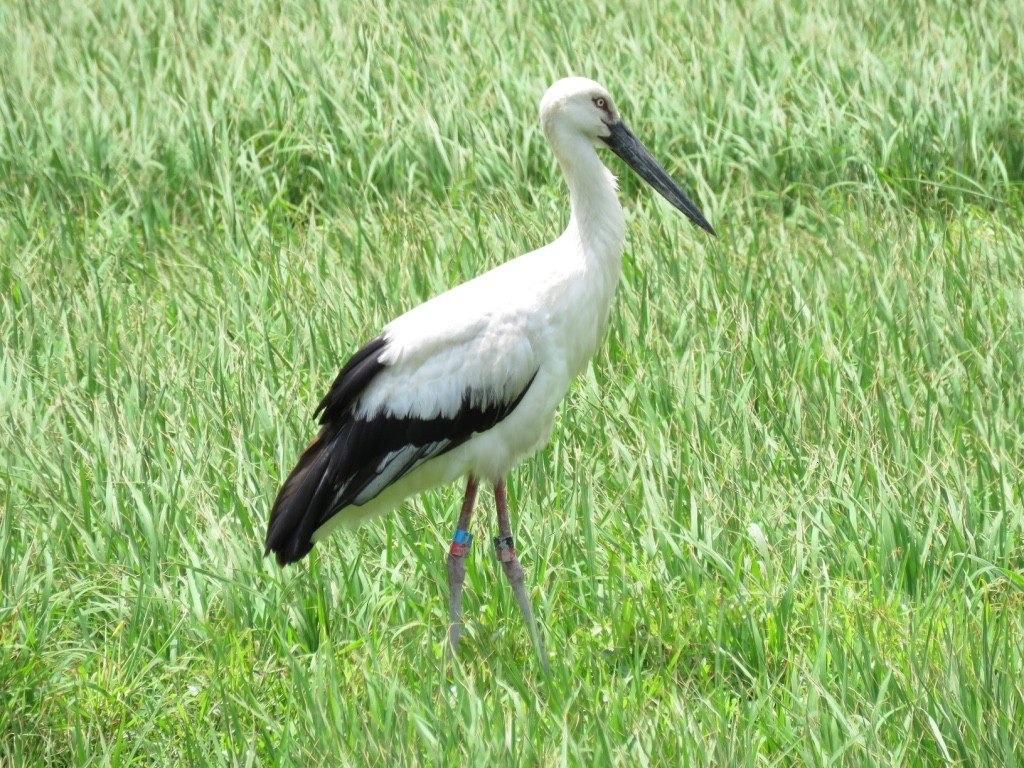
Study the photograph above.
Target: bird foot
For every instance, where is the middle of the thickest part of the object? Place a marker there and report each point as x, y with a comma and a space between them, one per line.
456, 578
506, 552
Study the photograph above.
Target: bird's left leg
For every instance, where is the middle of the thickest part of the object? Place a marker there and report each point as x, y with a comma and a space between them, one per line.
505, 549
461, 541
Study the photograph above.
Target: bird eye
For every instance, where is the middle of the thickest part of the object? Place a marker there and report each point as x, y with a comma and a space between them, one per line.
600, 103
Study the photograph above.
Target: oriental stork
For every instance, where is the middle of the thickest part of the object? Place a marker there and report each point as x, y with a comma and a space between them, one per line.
467, 383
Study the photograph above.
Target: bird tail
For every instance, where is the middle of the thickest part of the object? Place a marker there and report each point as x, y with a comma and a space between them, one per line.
302, 503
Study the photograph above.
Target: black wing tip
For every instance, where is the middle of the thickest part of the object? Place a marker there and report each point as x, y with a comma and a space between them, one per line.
282, 561
289, 534
300, 505
286, 553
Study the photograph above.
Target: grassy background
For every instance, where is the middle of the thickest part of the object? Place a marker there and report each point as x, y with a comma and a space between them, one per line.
781, 519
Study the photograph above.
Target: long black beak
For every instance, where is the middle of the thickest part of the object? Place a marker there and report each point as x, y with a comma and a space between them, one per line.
623, 143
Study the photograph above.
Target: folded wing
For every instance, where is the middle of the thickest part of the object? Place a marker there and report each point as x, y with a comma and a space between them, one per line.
403, 399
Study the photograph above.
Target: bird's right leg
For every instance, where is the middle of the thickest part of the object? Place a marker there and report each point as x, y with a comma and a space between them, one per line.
457, 567
505, 549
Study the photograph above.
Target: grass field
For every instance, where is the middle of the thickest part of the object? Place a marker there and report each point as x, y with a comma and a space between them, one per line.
780, 521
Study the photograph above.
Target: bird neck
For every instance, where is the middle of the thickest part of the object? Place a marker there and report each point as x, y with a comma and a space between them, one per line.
597, 223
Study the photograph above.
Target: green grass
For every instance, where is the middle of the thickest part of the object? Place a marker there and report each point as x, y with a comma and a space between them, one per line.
780, 521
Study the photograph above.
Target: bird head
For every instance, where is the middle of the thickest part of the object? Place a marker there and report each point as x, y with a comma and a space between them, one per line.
580, 106
577, 108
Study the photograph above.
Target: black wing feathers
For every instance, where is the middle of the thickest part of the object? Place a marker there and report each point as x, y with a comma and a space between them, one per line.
351, 380
376, 439
353, 459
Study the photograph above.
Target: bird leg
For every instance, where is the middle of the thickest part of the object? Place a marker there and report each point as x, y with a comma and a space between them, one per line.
461, 542
504, 546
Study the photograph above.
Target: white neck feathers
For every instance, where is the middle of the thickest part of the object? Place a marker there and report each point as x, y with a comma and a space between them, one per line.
597, 223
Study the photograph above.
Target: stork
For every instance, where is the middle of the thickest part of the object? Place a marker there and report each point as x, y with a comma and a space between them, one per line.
467, 383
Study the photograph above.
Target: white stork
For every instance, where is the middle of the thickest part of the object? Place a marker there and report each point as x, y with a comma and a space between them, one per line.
467, 384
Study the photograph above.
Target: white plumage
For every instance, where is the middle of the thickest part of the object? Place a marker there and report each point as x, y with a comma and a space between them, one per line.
467, 384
